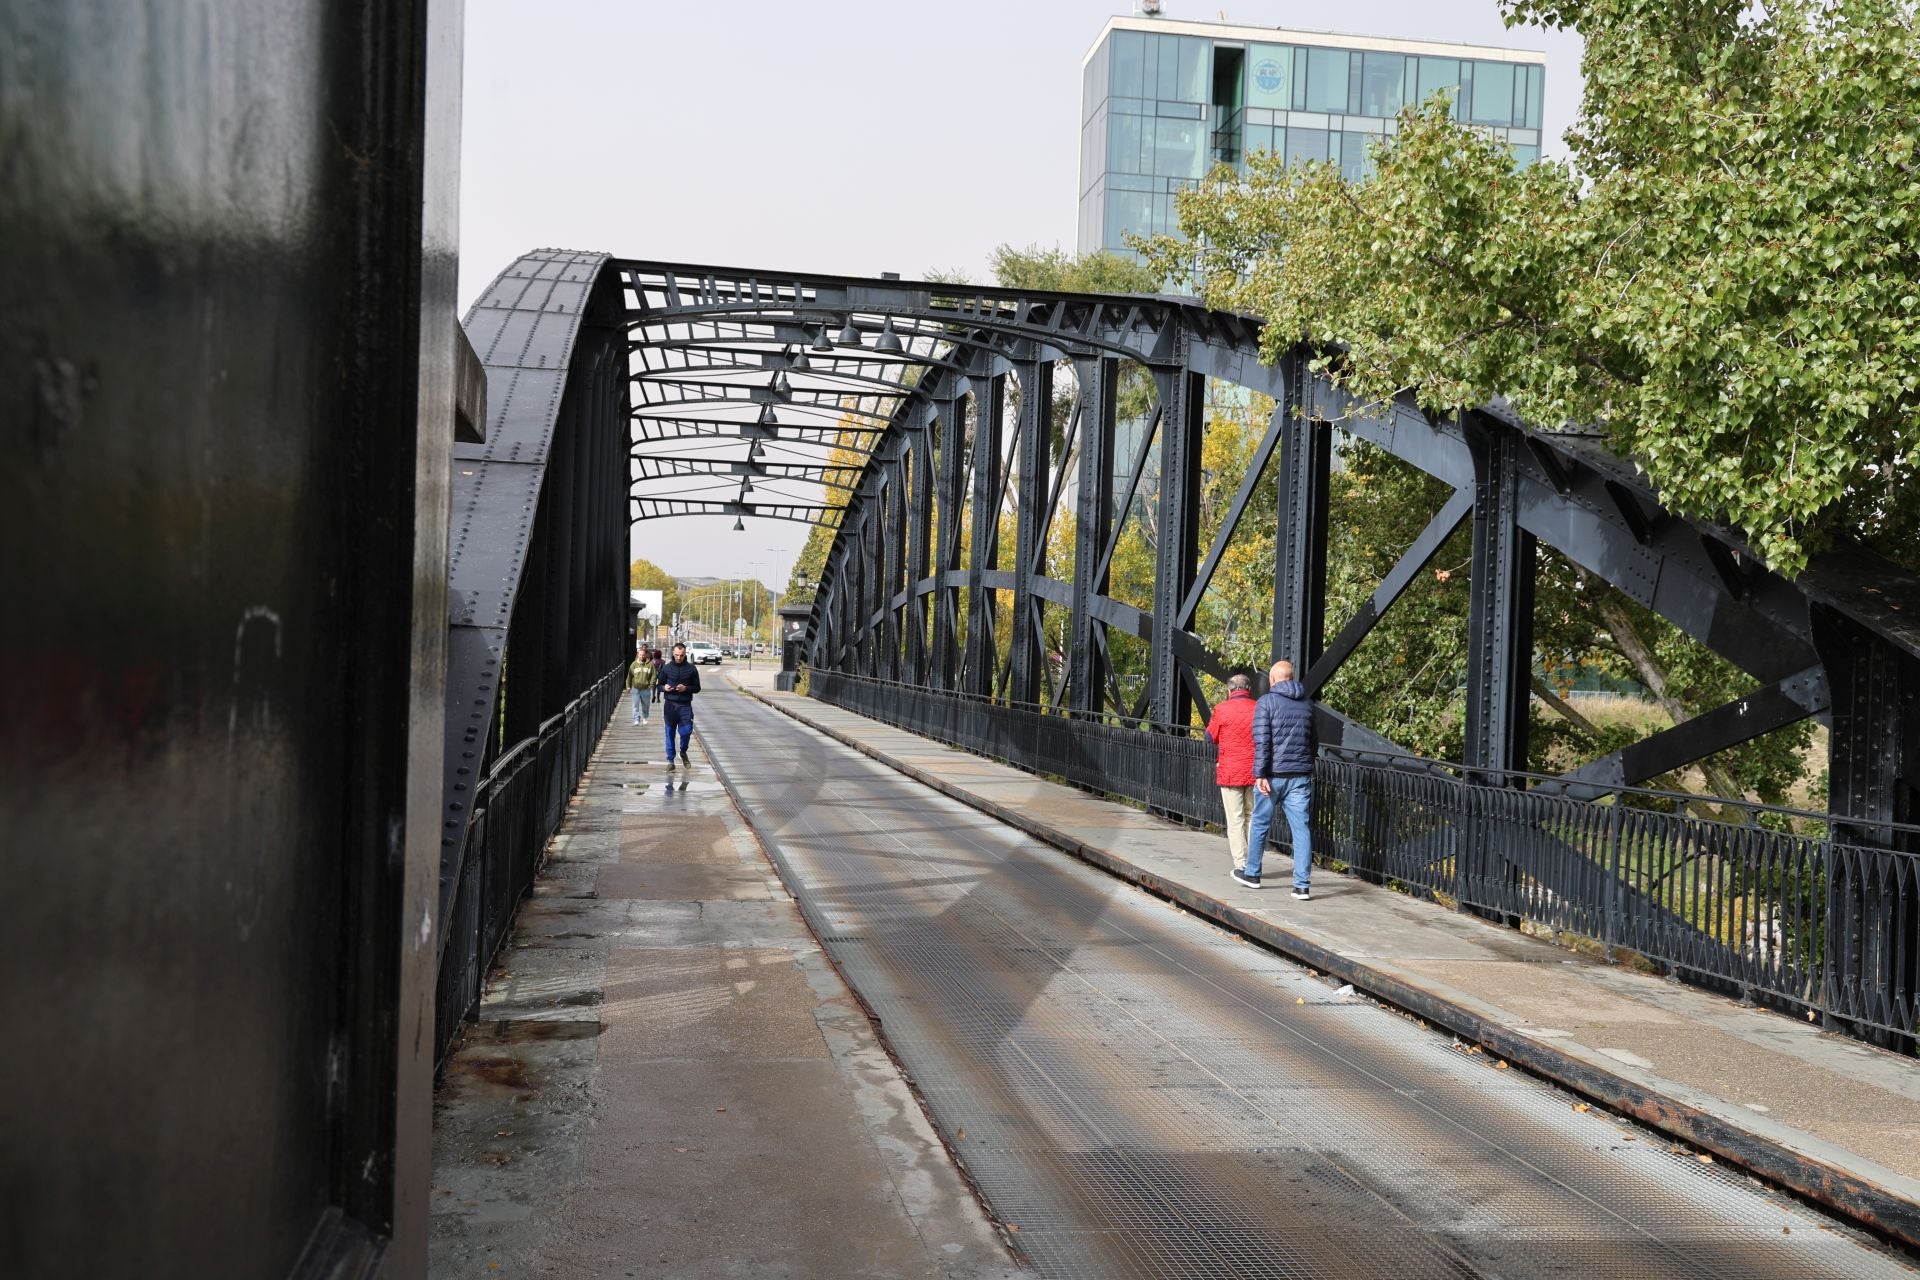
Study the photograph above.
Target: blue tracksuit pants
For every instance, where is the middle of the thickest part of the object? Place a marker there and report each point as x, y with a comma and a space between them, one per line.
677, 715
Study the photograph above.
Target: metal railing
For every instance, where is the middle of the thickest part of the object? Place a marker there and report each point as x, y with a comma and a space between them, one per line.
1798, 910
517, 808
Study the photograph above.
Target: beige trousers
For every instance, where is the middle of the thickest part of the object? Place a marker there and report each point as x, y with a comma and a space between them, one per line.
1239, 805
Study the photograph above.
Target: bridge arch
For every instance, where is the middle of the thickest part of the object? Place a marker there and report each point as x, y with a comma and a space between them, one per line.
671, 390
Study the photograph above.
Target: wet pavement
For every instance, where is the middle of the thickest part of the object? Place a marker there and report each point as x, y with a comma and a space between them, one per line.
667, 1077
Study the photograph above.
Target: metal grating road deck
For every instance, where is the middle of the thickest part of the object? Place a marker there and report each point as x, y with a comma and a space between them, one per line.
1141, 1094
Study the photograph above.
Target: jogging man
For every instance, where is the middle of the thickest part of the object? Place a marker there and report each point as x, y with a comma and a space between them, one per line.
1283, 751
679, 681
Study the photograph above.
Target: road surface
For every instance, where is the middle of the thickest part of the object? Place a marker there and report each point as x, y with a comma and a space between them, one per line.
1138, 1093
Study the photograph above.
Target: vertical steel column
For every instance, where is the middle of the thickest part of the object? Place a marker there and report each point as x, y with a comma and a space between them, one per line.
1036, 431
1873, 775
872, 575
896, 557
1099, 386
919, 550
945, 660
989, 420
1177, 555
1500, 617
1300, 542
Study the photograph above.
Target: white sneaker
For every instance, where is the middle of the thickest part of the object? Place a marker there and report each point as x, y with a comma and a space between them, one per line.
1302, 894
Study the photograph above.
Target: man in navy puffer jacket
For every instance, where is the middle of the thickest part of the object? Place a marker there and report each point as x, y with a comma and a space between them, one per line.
1283, 751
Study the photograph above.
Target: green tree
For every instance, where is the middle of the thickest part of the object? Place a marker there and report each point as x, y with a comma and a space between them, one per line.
645, 575
1723, 279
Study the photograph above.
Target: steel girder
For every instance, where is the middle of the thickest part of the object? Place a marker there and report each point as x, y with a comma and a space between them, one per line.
537, 582
957, 348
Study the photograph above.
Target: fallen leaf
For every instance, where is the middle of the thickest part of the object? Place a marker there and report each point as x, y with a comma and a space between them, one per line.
1299, 999
1812, 1016
960, 1133
719, 1108
1704, 1158
1580, 1106
1786, 1231
1500, 1066
681, 1150
503, 1133
1012, 1227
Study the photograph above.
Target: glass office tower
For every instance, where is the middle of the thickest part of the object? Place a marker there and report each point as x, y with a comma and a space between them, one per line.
1162, 102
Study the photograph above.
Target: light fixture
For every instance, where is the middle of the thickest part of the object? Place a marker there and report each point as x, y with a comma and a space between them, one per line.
798, 361
780, 386
888, 341
746, 485
739, 525
848, 336
753, 452
820, 342
766, 416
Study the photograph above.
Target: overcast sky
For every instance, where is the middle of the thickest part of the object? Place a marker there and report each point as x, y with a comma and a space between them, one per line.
846, 136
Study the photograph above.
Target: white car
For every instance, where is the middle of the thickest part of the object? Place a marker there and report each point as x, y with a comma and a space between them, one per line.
703, 651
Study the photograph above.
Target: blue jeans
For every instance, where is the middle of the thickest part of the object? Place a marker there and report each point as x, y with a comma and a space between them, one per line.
1293, 794
677, 715
642, 702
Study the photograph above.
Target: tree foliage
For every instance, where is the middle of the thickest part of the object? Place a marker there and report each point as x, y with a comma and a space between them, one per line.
1724, 279
645, 575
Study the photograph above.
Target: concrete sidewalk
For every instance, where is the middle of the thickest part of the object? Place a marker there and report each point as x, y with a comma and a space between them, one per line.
668, 1078
1824, 1115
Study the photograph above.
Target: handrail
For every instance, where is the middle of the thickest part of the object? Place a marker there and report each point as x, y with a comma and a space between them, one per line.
1422, 764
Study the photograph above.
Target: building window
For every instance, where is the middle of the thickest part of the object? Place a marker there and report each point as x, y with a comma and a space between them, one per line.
1493, 93
1179, 148
1123, 144
1306, 144
1327, 79
1356, 162
1270, 76
1380, 79
1438, 75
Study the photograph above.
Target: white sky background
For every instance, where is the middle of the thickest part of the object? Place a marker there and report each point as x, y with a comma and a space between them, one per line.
841, 136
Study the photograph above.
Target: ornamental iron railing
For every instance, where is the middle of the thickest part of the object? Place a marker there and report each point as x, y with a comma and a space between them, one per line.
517, 809
1770, 905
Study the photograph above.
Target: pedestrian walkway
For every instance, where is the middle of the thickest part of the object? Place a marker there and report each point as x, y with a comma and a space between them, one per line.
1826, 1115
667, 1078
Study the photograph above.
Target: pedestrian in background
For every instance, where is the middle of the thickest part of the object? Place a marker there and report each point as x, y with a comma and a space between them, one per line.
1231, 728
640, 680
679, 680
1283, 752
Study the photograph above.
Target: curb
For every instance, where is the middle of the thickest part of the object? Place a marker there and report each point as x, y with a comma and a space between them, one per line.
1872, 1206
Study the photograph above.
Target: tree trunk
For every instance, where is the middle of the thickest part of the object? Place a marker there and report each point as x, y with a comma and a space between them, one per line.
1640, 654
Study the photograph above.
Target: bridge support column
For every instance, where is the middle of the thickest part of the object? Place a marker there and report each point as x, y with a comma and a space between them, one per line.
872, 580
1300, 542
952, 492
1028, 656
919, 538
1099, 387
989, 420
895, 554
1873, 776
1500, 614
1177, 555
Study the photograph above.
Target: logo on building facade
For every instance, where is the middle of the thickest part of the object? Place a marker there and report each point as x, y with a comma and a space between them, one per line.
1266, 74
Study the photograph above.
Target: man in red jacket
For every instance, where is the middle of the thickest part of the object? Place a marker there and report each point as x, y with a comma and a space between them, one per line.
1231, 729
